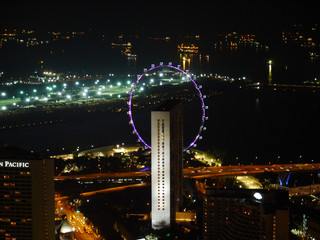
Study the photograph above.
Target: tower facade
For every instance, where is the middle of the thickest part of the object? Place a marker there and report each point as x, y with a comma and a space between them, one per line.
166, 163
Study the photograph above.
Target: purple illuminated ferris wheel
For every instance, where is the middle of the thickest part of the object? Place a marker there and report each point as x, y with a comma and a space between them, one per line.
203, 106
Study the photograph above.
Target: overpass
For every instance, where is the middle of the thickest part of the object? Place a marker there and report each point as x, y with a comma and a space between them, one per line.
205, 172
105, 190
91, 176
225, 171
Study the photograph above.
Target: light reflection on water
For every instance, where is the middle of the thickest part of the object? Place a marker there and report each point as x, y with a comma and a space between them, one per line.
239, 122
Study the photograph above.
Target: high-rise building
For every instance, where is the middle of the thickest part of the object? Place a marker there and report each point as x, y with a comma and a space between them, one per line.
246, 214
26, 195
166, 163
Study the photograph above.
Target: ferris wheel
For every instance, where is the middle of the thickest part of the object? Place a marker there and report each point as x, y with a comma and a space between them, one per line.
197, 87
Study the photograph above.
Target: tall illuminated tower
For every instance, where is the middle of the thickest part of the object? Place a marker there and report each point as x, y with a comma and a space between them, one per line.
166, 163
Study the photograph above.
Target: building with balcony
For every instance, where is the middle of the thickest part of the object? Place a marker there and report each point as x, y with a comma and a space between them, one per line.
27, 195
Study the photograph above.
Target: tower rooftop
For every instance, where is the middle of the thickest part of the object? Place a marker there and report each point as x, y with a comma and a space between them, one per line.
169, 105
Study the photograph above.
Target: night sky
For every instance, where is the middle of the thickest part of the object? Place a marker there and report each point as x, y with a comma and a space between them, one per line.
158, 16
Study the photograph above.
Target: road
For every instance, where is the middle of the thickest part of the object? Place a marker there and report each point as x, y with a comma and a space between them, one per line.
106, 190
83, 230
207, 172
104, 175
303, 190
277, 85
249, 182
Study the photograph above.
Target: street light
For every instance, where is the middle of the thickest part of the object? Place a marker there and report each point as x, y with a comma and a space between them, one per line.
270, 71
257, 195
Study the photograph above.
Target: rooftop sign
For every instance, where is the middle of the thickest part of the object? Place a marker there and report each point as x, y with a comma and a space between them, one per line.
12, 164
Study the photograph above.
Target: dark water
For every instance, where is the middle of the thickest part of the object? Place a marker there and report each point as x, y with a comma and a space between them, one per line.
242, 122
91, 55
265, 124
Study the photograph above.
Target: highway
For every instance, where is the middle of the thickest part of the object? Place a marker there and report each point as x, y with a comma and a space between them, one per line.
106, 190
275, 85
304, 190
103, 175
206, 172
225, 171
83, 230
121, 188
249, 182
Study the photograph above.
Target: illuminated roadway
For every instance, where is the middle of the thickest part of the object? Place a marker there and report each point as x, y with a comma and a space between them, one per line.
83, 230
202, 172
104, 175
206, 172
106, 190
